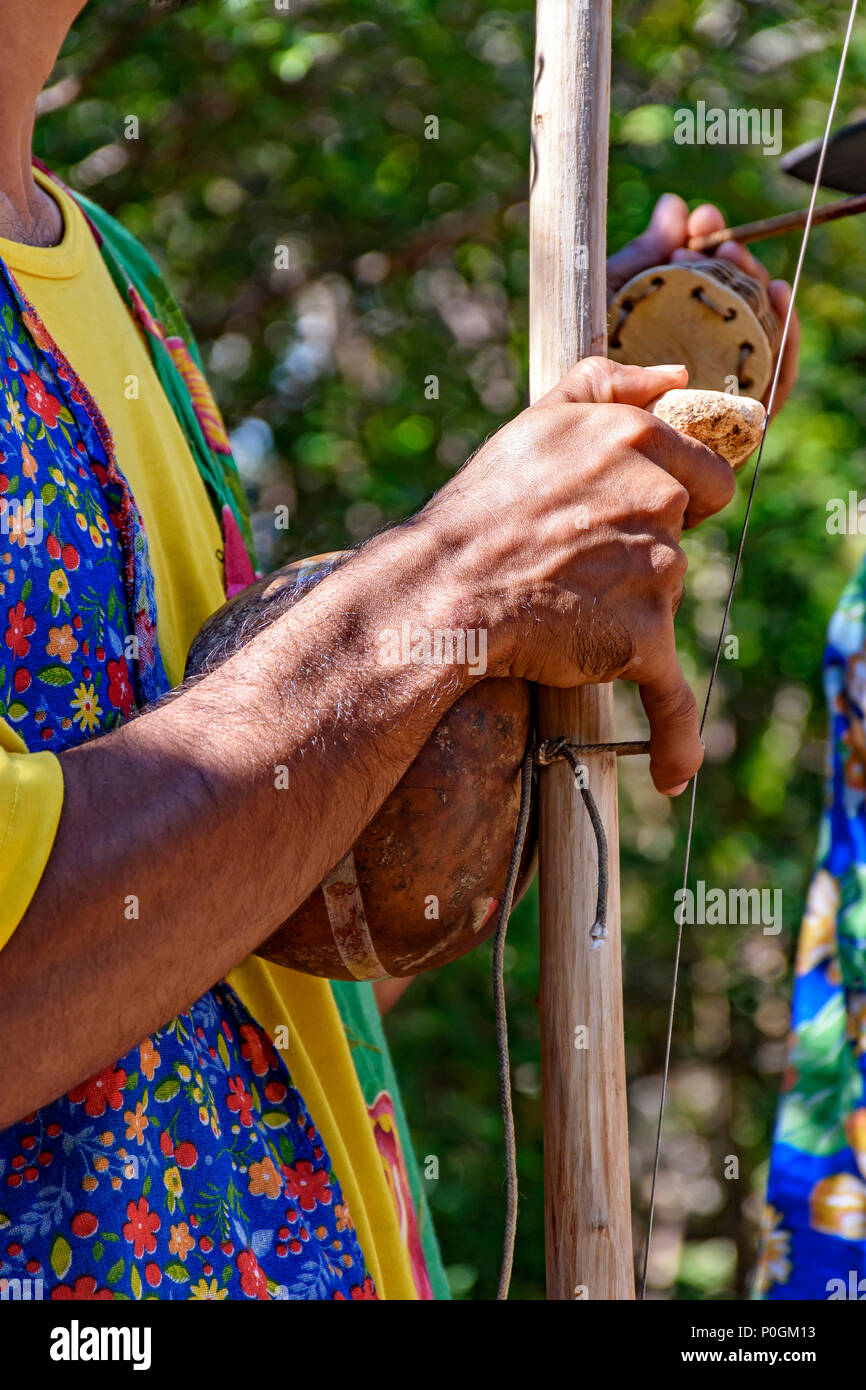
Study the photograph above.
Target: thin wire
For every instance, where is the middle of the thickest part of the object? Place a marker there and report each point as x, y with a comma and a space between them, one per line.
724, 627
504, 1064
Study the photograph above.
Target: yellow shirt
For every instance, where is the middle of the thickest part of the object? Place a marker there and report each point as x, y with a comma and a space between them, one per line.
70, 288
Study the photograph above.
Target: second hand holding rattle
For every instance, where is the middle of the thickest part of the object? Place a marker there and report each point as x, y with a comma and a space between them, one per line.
720, 324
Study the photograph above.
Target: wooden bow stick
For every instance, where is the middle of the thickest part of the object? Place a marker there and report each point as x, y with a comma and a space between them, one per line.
586, 1171
586, 1167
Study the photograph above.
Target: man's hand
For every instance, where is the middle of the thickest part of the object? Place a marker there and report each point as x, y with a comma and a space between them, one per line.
568, 523
559, 538
665, 240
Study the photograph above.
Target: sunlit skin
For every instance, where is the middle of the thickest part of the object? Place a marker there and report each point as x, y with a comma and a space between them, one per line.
179, 807
33, 34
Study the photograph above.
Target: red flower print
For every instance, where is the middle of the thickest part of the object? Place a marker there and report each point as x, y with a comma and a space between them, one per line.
240, 1101
83, 1291
103, 1089
186, 1155
40, 401
84, 1224
308, 1185
257, 1050
119, 687
20, 628
253, 1278
361, 1292
139, 1229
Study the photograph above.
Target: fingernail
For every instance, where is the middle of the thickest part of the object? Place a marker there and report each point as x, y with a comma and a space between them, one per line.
668, 367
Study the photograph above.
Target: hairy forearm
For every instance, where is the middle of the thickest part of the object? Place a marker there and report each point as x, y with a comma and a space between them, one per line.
560, 538
178, 851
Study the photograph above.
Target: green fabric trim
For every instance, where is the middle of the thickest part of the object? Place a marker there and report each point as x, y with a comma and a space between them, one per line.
129, 264
369, 1047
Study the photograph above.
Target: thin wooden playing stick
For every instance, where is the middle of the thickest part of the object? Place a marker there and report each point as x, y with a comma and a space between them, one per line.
775, 226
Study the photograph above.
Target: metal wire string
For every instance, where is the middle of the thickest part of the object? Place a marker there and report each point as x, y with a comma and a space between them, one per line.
724, 627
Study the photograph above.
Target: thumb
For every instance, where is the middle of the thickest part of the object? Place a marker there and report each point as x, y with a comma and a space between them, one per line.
598, 381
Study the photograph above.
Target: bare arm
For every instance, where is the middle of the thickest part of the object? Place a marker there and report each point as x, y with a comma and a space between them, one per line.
388, 992
180, 809
560, 538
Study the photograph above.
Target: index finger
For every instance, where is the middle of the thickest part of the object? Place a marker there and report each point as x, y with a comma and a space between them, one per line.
708, 218
707, 477
704, 219
676, 751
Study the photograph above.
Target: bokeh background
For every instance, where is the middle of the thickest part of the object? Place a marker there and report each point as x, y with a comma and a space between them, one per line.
407, 259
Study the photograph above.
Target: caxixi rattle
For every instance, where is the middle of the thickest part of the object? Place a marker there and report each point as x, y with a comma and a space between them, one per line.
719, 322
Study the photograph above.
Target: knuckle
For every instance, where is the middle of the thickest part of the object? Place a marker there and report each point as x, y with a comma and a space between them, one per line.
677, 705
668, 498
641, 430
664, 566
670, 563
602, 365
661, 503
598, 372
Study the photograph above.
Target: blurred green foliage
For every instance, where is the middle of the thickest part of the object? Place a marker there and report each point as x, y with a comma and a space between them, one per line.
407, 260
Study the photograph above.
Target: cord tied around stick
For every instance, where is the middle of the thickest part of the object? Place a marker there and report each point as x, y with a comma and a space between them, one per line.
562, 749
553, 750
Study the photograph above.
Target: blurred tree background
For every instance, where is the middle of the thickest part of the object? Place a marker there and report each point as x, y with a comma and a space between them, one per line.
359, 375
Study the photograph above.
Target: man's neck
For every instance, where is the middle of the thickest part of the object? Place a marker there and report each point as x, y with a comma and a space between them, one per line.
32, 217
32, 39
